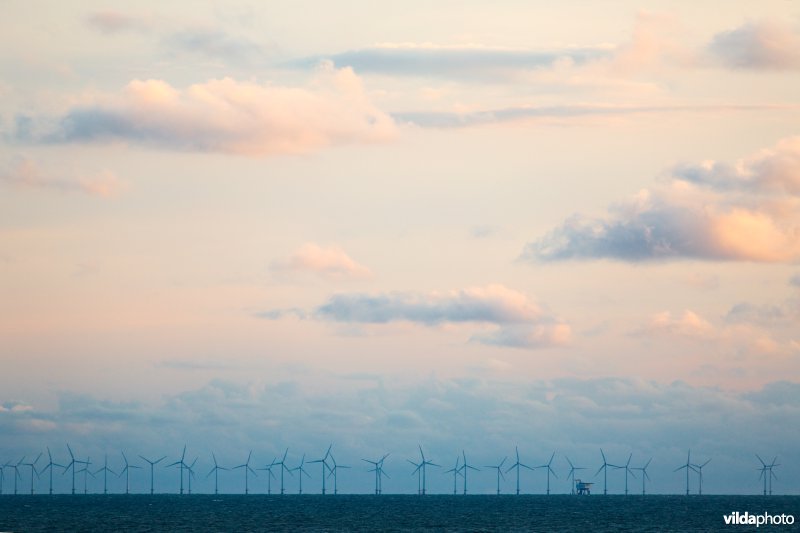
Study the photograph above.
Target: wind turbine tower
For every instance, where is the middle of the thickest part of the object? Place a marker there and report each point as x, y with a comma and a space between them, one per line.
86, 474
456, 470
421, 469
152, 464
466, 466
335, 475
181, 464
687, 466
215, 471
499, 469
50, 465
284, 468
33, 469
644, 473
572, 470
628, 470
549, 471
699, 470
517, 466
379, 473
127, 472
325, 466
246, 467
15, 466
301, 471
604, 468
71, 465
105, 470
270, 475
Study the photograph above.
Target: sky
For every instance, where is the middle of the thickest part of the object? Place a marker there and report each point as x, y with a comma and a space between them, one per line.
468, 226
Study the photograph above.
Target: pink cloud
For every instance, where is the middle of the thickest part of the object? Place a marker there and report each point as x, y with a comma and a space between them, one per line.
229, 116
758, 45
749, 211
110, 21
26, 173
329, 262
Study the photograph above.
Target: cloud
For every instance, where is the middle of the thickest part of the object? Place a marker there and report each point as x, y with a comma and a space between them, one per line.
216, 44
474, 62
690, 324
228, 116
110, 21
787, 312
522, 323
463, 119
364, 419
795, 280
772, 170
27, 174
706, 211
762, 45
328, 262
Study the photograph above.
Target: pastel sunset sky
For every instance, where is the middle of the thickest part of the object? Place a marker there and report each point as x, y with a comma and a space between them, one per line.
470, 225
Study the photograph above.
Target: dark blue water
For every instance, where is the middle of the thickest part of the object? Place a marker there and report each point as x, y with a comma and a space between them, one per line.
385, 513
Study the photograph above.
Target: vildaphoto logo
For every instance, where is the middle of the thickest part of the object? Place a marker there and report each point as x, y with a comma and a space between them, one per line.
765, 519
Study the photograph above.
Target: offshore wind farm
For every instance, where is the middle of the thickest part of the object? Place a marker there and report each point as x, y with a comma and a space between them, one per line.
478, 265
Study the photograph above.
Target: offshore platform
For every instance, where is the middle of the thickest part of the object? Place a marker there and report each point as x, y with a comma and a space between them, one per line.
583, 487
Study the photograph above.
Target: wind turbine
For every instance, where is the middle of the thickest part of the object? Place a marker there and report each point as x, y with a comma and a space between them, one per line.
499, 473
644, 472
324, 466
50, 464
378, 472
301, 471
627, 468
33, 469
246, 467
333, 473
2, 477
549, 471
466, 467
71, 465
572, 470
15, 466
517, 465
699, 470
456, 470
190, 469
105, 470
152, 464
215, 471
270, 475
181, 465
687, 466
772, 465
284, 468
127, 472
421, 469
604, 468
86, 474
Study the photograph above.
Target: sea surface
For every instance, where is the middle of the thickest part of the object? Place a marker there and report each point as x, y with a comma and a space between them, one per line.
595, 513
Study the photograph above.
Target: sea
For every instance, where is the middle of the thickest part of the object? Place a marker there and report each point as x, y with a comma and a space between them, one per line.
198, 512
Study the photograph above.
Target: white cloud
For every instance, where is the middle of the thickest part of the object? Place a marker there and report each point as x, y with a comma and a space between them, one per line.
229, 116
328, 262
706, 211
